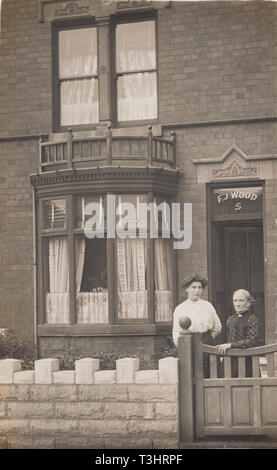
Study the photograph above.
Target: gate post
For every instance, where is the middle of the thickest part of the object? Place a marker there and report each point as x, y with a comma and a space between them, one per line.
186, 392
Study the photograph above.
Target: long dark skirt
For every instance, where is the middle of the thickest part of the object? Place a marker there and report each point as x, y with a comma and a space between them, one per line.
206, 338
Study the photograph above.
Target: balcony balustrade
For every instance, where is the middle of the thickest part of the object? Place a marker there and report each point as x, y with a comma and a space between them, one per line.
107, 150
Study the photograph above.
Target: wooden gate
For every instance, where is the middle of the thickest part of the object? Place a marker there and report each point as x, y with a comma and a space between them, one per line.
234, 394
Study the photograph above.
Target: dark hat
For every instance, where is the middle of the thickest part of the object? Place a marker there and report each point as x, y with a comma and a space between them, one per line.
195, 278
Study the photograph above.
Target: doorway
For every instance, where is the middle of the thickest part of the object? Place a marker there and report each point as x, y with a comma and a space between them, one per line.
238, 263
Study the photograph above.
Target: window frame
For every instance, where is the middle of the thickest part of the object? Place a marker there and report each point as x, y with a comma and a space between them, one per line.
111, 100
56, 81
116, 75
70, 232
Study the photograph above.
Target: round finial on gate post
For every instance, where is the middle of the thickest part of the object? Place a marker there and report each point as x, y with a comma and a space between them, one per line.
185, 322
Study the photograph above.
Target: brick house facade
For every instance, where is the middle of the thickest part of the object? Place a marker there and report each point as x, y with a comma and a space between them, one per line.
216, 90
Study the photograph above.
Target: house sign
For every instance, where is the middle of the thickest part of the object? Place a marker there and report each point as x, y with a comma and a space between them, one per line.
237, 200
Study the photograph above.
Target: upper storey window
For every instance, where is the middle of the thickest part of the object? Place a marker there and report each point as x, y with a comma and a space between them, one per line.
136, 71
96, 81
78, 80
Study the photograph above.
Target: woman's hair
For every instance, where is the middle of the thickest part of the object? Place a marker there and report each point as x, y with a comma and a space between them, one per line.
195, 278
246, 294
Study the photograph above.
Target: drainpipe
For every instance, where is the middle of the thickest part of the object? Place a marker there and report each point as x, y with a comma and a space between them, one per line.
35, 272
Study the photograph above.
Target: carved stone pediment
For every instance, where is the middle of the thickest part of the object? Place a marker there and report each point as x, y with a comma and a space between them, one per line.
72, 9
233, 171
50, 10
234, 164
127, 4
56, 9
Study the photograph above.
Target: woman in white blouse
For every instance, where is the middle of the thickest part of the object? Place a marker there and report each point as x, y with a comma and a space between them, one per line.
202, 314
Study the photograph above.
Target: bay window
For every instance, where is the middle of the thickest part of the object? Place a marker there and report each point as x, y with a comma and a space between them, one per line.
102, 280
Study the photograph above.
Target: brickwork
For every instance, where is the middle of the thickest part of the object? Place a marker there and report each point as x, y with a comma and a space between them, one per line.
56, 345
17, 160
97, 415
216, 60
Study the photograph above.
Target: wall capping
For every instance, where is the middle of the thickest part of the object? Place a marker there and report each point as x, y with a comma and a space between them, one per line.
87, 371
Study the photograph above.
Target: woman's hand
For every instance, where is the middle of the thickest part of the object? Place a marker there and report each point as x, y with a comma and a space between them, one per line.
223, 347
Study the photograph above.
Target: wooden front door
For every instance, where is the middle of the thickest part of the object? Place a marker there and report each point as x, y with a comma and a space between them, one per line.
239, 264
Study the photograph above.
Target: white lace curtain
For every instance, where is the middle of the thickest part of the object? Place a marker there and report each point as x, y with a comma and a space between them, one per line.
163, 280
79, 103
57, 299
137, 97
92, 307
137, 93
78, 58
135, 46
131, 267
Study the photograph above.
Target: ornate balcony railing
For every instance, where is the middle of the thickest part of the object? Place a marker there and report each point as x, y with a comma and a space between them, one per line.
80, 152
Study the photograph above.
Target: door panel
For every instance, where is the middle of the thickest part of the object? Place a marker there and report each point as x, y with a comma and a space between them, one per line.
239, 264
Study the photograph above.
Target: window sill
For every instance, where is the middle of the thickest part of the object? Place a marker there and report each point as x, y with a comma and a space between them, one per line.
121, 129
105, 330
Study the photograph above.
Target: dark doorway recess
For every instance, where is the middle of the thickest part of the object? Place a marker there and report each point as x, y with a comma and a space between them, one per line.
236, 250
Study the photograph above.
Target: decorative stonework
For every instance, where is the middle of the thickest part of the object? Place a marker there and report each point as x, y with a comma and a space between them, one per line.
234, 164
72, 9
50, 10
122, 5
110, 176
233, 171
103, 69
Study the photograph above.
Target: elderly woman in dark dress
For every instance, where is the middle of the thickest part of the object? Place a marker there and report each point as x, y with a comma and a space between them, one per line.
242, 329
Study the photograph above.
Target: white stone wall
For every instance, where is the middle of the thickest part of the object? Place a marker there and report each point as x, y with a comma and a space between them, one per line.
88, 407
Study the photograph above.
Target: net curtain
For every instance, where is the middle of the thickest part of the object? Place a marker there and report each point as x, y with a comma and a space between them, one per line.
137, 92
57, 299
131, 269
163, 280
78, 62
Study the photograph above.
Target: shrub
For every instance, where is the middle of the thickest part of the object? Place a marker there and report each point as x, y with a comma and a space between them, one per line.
107, 359
11, 347
170, 349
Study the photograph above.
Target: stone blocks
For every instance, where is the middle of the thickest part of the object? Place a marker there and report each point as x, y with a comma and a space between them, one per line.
24, 377
168, 368
87, 372
84, 370
105, 377
46, 408
44, 369
126, 369
64, 377
7, 369
147, 377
